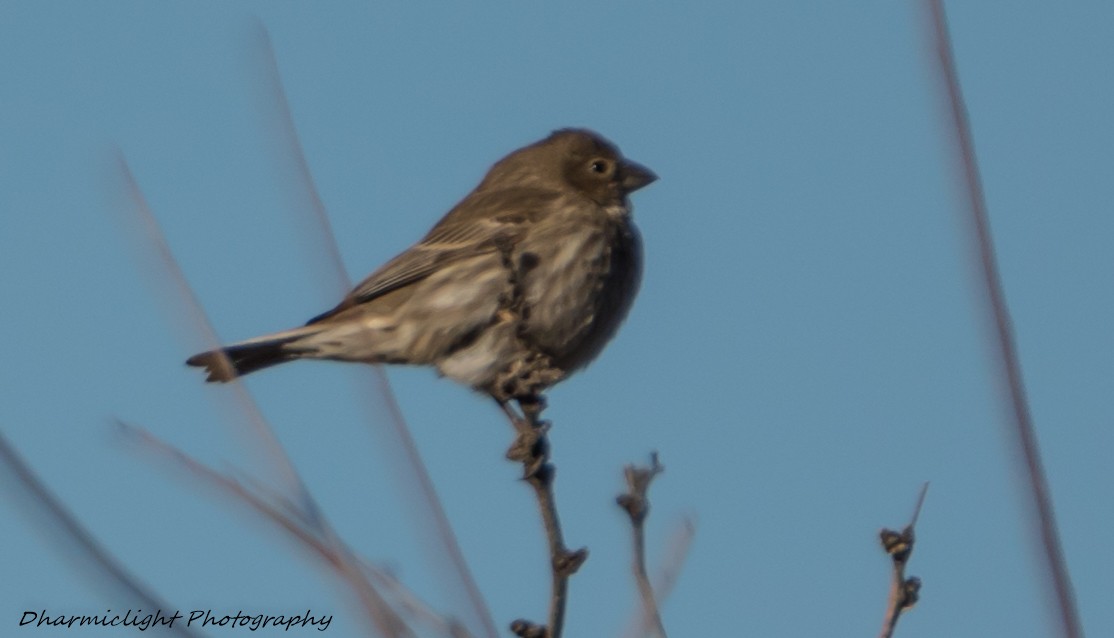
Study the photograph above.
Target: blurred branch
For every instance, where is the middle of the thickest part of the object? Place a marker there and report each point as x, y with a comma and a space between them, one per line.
903, 591
427, 513
679, 545
318, 226
637, 507
1007, 360
293, 510
531, 448
676, 554
60, 525
319, 539
186, 304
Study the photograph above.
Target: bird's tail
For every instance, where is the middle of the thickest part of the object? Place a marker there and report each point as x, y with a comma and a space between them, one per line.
238, 359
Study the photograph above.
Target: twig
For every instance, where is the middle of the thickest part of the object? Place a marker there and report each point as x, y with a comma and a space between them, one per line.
1009, 369
59, 524
323, 542
531, 448
186, 304
679, 545
903, 591
314, 227
295, 499
637, 507
317, 537
444, 552
666, 577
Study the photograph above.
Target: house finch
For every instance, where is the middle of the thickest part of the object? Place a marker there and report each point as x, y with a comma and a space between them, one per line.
520, 284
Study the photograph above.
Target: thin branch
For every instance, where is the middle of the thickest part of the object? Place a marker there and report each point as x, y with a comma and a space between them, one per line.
404, 598
322, 541
1007, 360
289, 520
675, 556
903, 591
308, 511
60, 525
427, 513
317, 225
531, 448
187, 305
445, 551
680, 542
295, 498
637, 507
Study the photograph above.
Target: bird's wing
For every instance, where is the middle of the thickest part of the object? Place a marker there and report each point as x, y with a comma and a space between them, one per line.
483, 223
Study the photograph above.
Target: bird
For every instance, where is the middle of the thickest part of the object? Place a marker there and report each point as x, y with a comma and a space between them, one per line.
520, 284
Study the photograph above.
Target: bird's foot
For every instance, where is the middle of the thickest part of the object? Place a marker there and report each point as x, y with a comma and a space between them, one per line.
526, 379
531, 448
531, 445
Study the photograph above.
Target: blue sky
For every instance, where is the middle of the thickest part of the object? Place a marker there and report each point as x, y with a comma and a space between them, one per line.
807, 348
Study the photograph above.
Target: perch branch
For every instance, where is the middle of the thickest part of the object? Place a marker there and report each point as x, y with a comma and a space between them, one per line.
531, 448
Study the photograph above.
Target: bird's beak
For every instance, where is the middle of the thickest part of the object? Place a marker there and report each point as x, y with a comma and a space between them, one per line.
635, 176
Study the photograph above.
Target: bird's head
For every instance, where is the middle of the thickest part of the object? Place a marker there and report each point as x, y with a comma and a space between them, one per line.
577, 158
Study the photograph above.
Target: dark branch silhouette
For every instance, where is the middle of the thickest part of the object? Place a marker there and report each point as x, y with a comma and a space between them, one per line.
1004, 346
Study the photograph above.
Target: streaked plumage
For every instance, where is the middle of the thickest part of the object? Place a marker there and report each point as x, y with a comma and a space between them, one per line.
521, 283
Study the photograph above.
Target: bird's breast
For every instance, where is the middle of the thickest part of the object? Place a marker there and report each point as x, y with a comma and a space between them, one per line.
579, 278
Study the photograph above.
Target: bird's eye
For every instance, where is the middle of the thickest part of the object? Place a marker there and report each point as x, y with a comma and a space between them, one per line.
599, 166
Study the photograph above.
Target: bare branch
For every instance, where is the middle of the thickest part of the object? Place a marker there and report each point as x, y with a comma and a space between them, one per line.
679, 545
637, 507
531, 448
444, 551
52, 517
676, 553
1008, 368
903, 591
318, 227
308, 524
320, 540
186, 305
